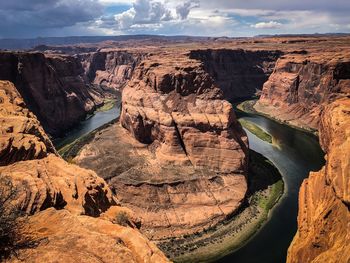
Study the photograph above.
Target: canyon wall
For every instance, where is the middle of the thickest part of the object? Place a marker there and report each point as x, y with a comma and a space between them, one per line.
238, 73
70, 211
324, 200
111, 69
301, 85
53, 87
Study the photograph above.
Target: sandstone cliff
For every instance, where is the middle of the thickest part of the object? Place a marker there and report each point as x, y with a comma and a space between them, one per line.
61, 199
324, 216
111, 69
186, 169
301, 85
239, 73
53, 87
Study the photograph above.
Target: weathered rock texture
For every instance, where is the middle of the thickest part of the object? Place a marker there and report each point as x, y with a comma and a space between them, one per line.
301, 85
324, 200
111, 69
70, 238
22, 137
186, 169
45, 182
239, 73
53, 87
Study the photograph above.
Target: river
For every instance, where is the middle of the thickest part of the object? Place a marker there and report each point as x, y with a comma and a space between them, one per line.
296, 155
93, 122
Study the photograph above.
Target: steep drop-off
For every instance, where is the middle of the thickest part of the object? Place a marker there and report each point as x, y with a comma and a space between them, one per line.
53, 87
301, 85
324, 201
238, 73
111, 69
70, 210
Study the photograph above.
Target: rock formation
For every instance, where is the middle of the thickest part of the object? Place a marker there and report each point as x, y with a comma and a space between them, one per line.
22, 137
53, 87
324, 200
186, 169
239, 73
110, 69
60, 198
302, 84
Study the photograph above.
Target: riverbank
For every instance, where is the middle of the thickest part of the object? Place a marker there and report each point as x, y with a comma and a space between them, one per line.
256, 130
108, 104
248, 107
69, 151
265, 189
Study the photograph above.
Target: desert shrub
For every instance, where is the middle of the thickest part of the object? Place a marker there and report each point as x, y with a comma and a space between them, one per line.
11, 221
122, 219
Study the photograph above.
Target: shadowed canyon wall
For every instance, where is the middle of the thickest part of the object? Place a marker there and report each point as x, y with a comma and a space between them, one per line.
111, 69
52, 86
238, 73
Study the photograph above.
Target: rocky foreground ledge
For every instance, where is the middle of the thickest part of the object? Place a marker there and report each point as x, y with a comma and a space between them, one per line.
68, 214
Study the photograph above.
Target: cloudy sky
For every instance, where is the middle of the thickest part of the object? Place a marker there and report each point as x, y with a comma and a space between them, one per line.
34, 18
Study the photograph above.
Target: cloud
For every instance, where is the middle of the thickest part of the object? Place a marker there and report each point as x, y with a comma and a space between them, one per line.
267, 25
32, 18
148, 14
28, 17
184, 9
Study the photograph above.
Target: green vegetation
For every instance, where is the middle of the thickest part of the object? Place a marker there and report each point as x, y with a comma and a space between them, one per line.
256, 130
108, 104
247, 106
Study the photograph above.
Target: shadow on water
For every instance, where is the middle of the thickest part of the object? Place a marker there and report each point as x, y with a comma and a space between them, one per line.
295, 154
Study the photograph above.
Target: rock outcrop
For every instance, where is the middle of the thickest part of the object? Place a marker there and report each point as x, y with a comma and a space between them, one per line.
239, 73
183, 169
324, 200
22, 137
69, 238
111, 69
302, 84
52, 86
61, 199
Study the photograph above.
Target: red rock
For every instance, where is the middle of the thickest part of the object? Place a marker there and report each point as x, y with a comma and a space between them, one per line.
52, 86
111, 69
324, 217
302, 85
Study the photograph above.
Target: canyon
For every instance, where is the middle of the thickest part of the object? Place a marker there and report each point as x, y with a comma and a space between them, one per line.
177, 160
63, 203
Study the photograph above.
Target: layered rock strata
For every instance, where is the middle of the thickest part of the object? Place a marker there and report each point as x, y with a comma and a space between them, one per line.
186, 169
61, 199
324, 200
239, 73
53, 87
301, 85
111, 69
